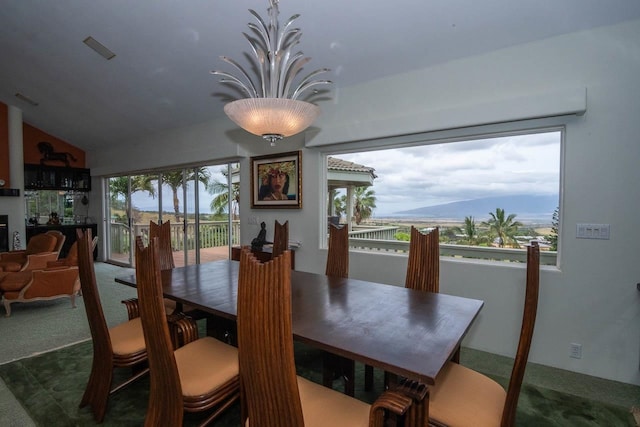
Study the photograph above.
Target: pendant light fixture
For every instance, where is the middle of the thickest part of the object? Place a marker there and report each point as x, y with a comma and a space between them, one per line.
272, 107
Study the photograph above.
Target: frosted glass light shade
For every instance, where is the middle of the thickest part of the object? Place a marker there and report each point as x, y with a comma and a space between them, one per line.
269, 117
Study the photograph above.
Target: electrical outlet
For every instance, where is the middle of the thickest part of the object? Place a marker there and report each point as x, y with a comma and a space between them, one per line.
575, 350
252, 220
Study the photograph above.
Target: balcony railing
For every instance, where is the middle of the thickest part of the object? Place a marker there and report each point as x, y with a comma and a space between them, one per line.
382, 239
212, 234
378, 239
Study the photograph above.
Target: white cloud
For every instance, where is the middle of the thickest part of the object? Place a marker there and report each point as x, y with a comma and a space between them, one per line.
434, 174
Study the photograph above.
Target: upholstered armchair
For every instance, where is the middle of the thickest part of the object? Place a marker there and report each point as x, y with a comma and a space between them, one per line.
46, 284
40, 250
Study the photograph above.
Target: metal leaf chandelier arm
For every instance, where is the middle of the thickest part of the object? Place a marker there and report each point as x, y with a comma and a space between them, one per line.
303, 87
247, 86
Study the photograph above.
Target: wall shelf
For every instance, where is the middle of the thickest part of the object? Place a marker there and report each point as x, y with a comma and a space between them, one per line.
37, 177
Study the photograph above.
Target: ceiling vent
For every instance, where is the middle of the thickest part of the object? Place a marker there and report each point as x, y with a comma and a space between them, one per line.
101, 49
26, 99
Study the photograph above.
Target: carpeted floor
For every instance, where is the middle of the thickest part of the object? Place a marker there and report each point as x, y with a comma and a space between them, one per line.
49, 387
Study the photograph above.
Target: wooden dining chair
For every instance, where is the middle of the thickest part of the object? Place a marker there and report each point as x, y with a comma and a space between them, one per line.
201, 375
423, 267
464, 397
272, 394
338, 251
334, 366
423, 274
163, 233
121, 346
280, 238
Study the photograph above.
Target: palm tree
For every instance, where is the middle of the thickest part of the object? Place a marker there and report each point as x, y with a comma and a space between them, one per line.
504, 228
469, 230
365, 202
119, 186
340, 204
176, 180
220, 189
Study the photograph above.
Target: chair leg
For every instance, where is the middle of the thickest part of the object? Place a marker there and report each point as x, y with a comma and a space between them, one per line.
456, 356
96, 394
7, 307
338, 367
368, 377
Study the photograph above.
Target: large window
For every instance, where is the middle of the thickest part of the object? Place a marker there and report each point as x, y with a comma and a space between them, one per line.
489, 194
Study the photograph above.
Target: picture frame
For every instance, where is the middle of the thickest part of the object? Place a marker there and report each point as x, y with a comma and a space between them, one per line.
276, 181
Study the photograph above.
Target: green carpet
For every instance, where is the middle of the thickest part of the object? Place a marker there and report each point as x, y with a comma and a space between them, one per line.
49, 386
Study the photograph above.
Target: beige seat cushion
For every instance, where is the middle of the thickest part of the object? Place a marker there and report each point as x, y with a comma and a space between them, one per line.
464, 397
127, 337
205, 364
322, 406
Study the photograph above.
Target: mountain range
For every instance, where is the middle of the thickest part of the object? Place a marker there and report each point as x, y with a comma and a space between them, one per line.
526, 208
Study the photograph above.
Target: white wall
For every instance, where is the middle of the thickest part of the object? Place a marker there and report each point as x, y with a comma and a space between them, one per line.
592, 299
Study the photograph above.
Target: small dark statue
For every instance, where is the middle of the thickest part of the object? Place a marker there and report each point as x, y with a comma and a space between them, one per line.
261, 238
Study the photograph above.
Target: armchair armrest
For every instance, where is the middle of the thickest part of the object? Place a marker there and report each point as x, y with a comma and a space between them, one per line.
133, 307
39, 261
183, 329
391, 401
418, 393
13, 256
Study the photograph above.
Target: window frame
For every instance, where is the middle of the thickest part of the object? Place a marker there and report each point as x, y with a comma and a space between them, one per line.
450, 251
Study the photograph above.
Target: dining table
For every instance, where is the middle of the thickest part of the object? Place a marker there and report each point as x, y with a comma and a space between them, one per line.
410, 333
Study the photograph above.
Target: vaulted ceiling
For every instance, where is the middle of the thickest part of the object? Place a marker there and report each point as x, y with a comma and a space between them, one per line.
165, 49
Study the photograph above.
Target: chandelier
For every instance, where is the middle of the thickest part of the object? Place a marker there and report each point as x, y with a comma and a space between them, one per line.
272, 107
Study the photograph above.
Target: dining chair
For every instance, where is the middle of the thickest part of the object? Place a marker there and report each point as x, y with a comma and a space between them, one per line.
423, 267
163, 233
334, 366
272, 394
464, 397
201, 375
121, 346
280, 238
423, 274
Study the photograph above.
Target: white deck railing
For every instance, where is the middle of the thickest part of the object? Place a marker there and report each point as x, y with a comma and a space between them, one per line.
379, 239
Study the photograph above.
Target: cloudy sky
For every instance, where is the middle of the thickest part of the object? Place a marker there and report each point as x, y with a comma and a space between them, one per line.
410, 178
428, 175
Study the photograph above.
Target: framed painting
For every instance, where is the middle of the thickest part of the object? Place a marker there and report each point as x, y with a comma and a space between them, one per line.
276, 181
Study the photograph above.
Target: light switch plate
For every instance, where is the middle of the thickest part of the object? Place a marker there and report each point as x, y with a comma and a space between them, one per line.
593, 231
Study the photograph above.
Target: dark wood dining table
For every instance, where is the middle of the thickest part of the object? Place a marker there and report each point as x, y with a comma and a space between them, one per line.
406, 332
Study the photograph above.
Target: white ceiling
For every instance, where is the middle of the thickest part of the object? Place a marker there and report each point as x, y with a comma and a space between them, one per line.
165, 50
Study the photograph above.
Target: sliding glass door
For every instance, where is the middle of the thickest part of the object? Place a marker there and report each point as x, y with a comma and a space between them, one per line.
201, 204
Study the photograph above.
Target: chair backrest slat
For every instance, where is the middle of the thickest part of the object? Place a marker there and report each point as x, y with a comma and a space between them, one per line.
165, 396
165, 251
91, 296
265, 344
526, 335
280, 238
338, 252
423, 268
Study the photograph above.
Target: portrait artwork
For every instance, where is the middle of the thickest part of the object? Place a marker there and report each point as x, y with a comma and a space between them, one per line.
276, 181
